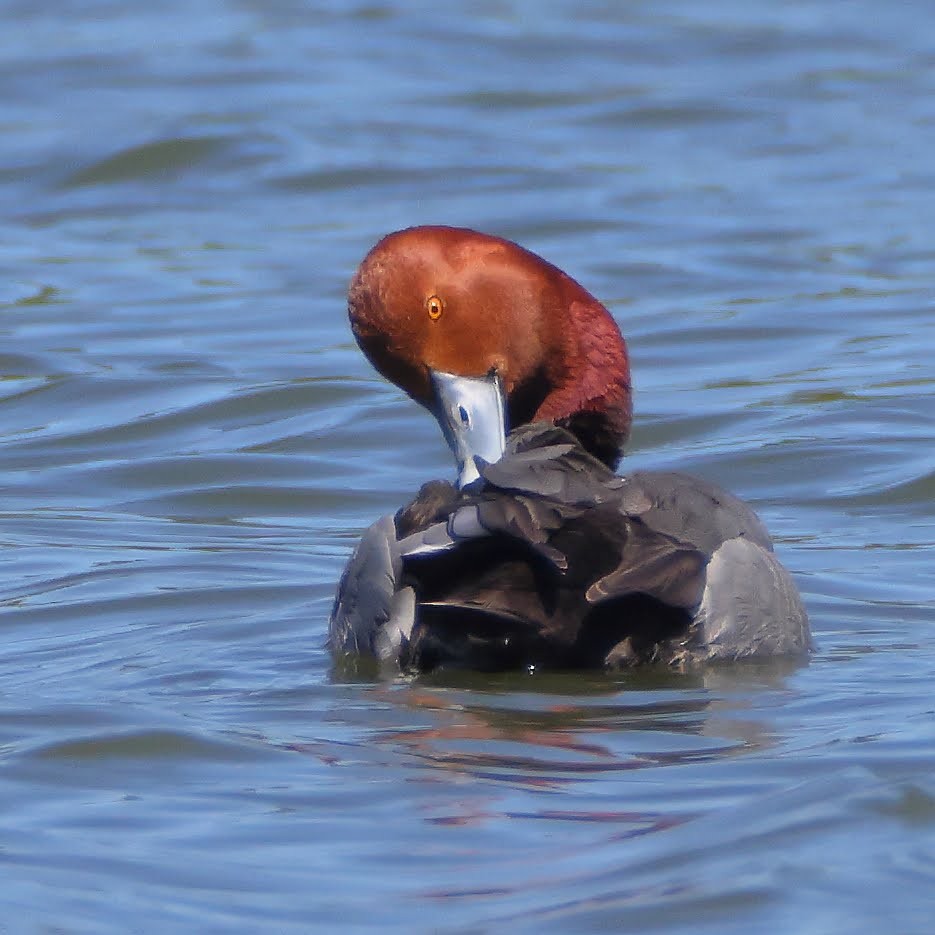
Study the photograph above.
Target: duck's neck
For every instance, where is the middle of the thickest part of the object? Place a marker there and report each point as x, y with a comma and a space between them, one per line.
590, 391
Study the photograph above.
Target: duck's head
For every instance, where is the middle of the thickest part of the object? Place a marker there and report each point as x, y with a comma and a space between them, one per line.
488, 335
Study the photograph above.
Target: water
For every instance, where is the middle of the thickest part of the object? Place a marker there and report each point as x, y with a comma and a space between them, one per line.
191, 444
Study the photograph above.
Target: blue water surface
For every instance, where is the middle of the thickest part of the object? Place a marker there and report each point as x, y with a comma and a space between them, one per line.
191, 443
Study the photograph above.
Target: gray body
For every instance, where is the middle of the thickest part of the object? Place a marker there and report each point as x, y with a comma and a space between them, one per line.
552, 559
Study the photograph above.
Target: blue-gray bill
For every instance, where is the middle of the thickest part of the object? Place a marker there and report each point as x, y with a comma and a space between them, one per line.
472, 414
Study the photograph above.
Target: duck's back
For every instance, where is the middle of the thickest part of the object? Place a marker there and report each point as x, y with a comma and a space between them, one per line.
554, 560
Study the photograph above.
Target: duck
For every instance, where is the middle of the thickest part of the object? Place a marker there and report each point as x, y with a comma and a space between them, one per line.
539, 555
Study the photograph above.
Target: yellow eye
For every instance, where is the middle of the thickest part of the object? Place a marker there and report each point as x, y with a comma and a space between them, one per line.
434, 306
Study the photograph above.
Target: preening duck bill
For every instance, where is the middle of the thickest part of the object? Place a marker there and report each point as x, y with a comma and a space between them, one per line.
472, 414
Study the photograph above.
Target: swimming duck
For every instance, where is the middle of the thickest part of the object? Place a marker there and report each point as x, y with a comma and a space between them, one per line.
540, 554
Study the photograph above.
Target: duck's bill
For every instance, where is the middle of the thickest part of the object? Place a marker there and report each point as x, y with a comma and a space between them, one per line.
472, 414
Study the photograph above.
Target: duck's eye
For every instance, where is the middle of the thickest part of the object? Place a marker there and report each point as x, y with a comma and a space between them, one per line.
434, 306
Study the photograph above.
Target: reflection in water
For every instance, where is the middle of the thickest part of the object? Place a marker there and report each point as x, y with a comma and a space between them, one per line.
551, 732
561, 754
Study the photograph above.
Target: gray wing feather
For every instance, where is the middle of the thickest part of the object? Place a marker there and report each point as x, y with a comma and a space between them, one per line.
364, 601
391, 641
691, 510
750, 606
547, 462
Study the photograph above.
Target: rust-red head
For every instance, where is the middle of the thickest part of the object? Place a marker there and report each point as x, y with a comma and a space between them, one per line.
441, 299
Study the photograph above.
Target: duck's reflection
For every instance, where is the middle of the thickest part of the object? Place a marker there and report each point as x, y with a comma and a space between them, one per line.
550, 729
595, 761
